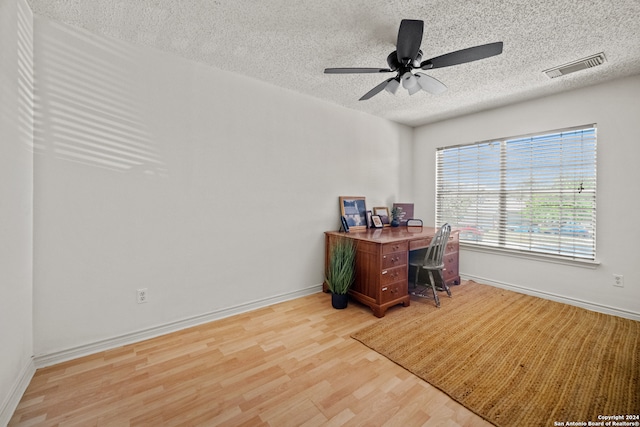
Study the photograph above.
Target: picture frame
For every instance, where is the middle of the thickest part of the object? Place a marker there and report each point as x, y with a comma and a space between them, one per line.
383, 213
345, 226
353, 209
376, 221
369, 222
405, 212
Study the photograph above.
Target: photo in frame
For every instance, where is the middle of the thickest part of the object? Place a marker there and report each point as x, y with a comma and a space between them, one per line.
354, 208
405, 211
376, 221
383, 213
369, 222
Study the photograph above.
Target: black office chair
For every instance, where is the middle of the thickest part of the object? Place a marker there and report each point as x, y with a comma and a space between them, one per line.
430, 259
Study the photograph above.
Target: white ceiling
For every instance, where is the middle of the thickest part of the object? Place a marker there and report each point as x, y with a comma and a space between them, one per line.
288, 43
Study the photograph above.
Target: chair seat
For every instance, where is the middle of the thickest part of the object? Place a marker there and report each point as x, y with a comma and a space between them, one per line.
429, 266
416, 259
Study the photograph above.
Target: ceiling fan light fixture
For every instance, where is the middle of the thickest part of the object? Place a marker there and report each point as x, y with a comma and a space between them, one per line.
392, 86
430, 84
414, 89
417, 60
409, 81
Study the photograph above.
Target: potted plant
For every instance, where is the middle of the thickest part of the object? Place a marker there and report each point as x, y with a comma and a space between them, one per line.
395, 215
341, 271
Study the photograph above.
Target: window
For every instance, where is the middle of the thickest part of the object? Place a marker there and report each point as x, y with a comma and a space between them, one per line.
534, 194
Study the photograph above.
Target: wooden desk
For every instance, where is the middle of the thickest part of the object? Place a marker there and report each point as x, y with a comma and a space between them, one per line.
382, 269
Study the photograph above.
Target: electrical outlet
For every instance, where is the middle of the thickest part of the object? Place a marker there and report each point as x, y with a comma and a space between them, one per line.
142, 295
618, 280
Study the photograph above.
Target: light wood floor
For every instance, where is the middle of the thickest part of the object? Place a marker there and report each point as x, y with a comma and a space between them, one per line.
291, 364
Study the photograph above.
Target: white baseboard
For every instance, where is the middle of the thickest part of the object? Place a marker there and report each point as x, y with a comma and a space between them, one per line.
554, 297
17, 390
48, 359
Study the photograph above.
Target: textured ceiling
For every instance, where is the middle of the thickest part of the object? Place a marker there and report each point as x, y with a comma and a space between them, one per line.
288, 43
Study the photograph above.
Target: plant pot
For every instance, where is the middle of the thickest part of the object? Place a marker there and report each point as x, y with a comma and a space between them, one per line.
395, 222
339, 301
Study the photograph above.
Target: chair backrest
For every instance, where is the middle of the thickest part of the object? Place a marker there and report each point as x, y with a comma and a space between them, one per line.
436, 248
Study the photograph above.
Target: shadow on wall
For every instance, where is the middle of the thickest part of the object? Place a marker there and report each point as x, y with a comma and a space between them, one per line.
85, 111
25, 75
16, 106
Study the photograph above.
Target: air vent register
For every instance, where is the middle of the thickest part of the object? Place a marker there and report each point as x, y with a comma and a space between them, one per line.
572, 67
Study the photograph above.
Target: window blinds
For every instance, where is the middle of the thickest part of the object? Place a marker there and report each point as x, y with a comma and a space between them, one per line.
535, 193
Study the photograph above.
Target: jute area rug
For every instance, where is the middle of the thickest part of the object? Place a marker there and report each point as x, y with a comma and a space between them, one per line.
514, 359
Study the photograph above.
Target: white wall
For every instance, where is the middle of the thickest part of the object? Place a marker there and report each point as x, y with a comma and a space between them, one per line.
16, 191
614, 107
210, 189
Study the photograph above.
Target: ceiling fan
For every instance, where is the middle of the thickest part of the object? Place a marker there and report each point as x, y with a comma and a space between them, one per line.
408, 57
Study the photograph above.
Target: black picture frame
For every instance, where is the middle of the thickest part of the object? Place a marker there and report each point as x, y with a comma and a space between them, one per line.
376, 221
345, 226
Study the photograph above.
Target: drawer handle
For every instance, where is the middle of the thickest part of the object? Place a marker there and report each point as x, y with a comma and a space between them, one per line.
384, 272
384, 289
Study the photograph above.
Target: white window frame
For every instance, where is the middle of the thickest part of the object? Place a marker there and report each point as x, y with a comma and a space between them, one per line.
531, 195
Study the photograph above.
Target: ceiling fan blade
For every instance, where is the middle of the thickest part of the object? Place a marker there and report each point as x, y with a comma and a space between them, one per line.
462, 56
375, 90
409, 40
355, 70
430, 84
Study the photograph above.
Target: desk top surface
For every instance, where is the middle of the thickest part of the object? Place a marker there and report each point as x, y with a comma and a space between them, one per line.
388, 234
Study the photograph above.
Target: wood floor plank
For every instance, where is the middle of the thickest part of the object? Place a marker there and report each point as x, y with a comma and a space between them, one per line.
293, 364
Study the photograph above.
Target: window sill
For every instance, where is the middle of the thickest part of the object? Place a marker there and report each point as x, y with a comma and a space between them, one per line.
574, 262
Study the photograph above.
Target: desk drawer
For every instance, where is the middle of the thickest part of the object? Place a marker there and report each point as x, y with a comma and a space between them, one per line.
419, 243
452, 244
394, 260
390, 275
450, 266
389, 248
393, 292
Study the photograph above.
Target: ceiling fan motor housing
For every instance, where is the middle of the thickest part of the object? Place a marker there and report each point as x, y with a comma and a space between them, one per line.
392, 61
